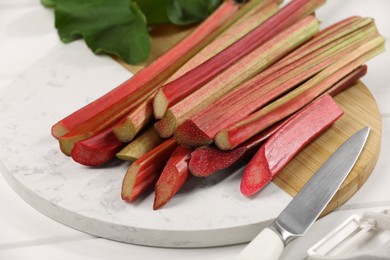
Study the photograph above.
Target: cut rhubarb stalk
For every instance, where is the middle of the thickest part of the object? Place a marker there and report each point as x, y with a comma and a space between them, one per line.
144, 172
97, 150
238, 133
166, 96
135, 121
291, 138
194, 79
201, 128
141, 145
207, 160
138, 118
142, 84
173, 177
256, 61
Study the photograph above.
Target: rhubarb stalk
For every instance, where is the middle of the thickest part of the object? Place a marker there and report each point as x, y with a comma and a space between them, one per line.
141, 145
207, 160
201, 128
167, 95
129, 126
236, 134
209, 69
248, 66
96, 150
282, 146
108, 109
144, 172
173, 177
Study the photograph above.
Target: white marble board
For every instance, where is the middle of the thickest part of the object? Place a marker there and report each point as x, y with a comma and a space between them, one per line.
205, 213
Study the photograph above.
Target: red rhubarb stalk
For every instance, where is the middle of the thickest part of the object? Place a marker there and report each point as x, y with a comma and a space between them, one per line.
238, 133
141, 145
207, 160
166, 96
97, 150
128, 127
173, 177
194, 79
109, 108
255, 62
201, 128
144, 172
135, 121
282, 146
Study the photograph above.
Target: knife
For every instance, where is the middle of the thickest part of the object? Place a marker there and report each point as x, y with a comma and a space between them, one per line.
309, 202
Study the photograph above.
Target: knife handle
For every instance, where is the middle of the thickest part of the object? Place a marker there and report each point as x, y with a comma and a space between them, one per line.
266, 245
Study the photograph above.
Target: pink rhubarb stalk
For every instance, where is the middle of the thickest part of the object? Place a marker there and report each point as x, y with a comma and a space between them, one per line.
141, 145
207, 160
173, 177
194, 79
282, 146
261, 11
238, 133
255, 62
128, 127
299, 66
144, 172
96, 150
108, 109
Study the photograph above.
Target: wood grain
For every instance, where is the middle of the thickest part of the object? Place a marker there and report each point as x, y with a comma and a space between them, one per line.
360, 110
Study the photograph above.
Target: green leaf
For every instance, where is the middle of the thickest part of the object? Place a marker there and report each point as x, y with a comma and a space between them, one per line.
154, 10
182, 12
115, 27
48, 3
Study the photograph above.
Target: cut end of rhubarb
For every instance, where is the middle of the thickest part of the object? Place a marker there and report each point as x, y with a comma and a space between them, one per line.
59, 130
129, 182
256, 175
126, 157
189, 134
67, 143
207, 160
222, 141
167, 125
165, 186
125, 131
160, 104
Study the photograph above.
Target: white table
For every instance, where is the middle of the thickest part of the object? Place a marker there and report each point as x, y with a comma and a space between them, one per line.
27, 36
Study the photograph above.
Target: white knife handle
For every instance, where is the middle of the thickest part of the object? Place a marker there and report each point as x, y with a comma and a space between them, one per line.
266, 245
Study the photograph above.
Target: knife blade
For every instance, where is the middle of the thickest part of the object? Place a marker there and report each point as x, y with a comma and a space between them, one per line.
309, 202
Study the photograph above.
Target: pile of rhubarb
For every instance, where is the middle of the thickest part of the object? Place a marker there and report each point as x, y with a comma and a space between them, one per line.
254, 83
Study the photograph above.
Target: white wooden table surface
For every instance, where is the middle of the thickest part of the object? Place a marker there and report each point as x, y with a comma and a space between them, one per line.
27, 35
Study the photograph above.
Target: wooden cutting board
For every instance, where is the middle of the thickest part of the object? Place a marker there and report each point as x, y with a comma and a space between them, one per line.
360, 110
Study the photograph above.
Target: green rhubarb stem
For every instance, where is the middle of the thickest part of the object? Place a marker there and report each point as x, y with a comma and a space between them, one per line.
255, 62
236, 134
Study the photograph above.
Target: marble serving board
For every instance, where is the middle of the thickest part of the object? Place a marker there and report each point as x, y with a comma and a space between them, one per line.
206, 212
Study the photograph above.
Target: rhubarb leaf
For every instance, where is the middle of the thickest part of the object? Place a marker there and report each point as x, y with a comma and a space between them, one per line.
115, 27
48, 3
154, 10
182, 12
